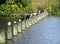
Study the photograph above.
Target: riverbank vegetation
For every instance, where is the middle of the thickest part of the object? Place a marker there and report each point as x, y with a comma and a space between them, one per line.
7, 7
52, 6
56, 9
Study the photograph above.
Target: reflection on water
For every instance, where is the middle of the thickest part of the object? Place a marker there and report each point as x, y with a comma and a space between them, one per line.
46, 31
15, 39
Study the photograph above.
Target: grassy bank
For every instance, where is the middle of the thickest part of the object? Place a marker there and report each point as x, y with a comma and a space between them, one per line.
52, 6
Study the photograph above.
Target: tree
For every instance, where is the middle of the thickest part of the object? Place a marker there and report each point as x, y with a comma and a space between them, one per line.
24, 3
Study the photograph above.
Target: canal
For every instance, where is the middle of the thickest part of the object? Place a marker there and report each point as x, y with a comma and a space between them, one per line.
46, 31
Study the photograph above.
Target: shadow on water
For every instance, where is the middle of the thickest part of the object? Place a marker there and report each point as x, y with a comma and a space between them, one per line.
14, 39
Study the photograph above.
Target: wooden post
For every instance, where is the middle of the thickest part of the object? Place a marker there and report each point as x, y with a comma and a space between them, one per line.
15, 28
9, 31
23, 25
27, 23
2, 36
19, 26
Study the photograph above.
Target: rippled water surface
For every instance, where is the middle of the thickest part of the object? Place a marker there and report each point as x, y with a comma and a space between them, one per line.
46, 31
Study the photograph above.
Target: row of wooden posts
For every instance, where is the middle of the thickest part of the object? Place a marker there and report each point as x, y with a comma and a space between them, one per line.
18, 27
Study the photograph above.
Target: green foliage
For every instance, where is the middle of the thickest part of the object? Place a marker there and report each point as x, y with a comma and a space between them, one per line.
14, 6
29, 9
38, 7
56, 10
10, 1
4, 9
24, 3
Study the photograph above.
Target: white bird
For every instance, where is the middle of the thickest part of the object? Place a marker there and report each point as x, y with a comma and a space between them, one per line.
9, 23
19, 20
14, 21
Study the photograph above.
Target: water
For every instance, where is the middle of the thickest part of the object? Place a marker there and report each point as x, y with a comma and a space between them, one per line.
46, 31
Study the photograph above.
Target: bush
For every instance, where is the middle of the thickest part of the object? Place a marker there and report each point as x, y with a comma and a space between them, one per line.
56, 10
24, 3
15, 6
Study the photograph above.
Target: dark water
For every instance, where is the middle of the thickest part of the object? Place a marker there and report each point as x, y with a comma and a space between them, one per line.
46, 31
